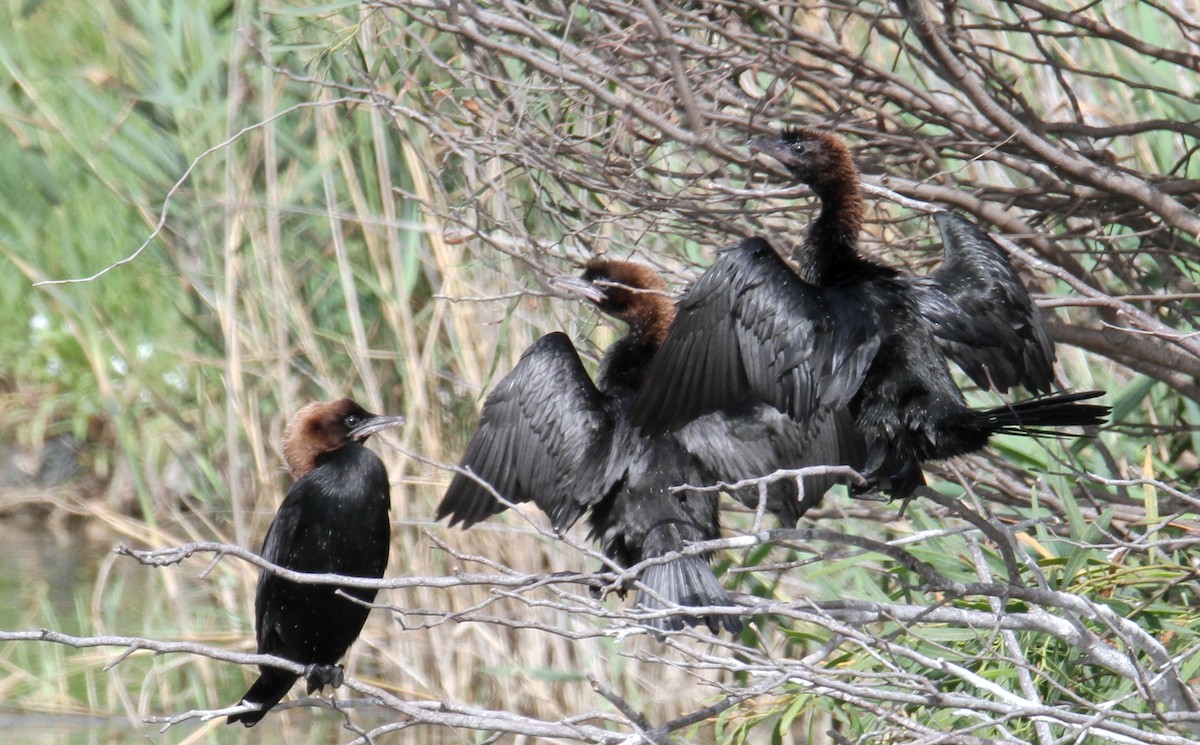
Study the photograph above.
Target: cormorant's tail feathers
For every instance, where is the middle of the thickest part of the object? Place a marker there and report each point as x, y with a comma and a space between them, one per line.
268, 690
1042, 416
688, 582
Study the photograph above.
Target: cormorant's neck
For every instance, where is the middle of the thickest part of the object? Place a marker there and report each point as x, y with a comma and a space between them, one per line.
831, 251
649, 320
348, 453
625, 363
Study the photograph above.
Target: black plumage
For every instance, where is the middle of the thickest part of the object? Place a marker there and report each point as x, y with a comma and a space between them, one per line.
741, 441
981, 313
333, 520
549, 435
845, 332
752, 439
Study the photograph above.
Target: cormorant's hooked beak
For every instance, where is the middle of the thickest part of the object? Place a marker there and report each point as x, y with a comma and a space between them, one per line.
574, 288
372, 424
776, 148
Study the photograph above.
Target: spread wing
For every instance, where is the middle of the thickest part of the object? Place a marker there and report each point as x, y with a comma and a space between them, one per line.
982, 314
537, 426
757, 440
749, 328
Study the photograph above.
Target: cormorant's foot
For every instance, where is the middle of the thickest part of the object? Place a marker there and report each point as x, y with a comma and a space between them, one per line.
597, 587
319, 676
897, 485
870, 492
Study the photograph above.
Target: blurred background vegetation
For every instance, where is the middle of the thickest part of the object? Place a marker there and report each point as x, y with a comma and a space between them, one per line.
364, 200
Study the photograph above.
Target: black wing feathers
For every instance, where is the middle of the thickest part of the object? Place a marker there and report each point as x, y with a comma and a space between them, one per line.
982, 314
300, 538
749, 328
536, 428
756, 440
698, 369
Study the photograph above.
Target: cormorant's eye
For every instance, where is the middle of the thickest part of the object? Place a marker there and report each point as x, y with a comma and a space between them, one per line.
351, 421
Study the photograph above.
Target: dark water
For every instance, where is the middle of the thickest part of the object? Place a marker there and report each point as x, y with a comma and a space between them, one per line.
48, 569
65, 730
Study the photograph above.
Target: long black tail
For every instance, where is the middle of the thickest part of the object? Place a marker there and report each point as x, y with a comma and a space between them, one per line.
689, 582
894, 464
1043, 416
270, 688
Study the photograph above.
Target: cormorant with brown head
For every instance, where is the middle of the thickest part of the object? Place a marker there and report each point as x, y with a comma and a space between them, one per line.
846, 332
980, 312
334, 520
549, 435
740, 442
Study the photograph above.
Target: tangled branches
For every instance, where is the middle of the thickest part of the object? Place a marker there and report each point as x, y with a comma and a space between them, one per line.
890, 659
624, 123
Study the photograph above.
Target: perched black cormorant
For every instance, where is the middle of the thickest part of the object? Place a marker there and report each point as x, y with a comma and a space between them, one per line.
843, 332
334, 520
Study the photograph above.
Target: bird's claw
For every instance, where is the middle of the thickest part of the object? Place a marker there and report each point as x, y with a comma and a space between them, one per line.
596, 589
599, 589
319, 676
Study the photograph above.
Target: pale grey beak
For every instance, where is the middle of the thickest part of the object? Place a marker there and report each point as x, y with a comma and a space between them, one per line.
575, 288
374, 423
